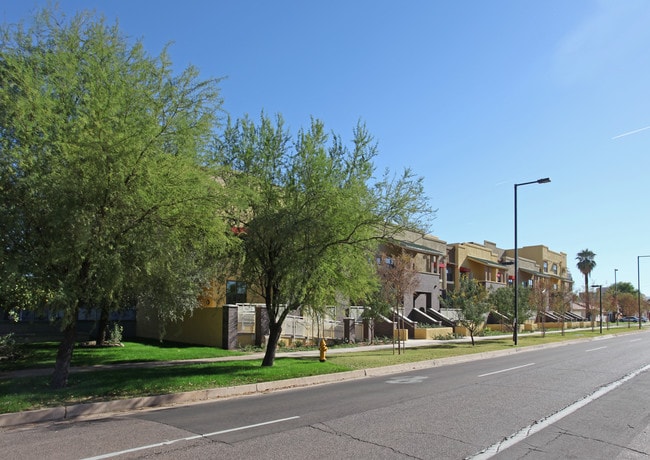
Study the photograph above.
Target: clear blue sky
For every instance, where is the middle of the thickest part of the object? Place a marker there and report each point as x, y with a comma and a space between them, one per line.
473, 95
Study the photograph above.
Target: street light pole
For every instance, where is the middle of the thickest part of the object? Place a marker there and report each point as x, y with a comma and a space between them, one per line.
516, 321
616, 295
638, 284
600, 300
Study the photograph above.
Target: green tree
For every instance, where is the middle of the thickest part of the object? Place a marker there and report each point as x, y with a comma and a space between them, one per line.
312, 213
621, 287
106, 201
472, 302
503, 300
586, 264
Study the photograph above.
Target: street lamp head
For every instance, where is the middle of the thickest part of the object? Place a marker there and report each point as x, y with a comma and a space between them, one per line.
545, 180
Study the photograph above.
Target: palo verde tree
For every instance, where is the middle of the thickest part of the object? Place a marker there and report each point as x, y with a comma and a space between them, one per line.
310, 212
586, 264
105, 195
471, 299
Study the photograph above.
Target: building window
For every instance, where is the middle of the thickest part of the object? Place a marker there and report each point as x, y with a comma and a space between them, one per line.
554, 268
545, 267
235, 292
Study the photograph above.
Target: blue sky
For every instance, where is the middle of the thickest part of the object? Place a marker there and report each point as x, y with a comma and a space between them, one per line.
474, 96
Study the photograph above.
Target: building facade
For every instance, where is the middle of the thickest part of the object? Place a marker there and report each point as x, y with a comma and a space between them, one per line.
548, 264
481, 262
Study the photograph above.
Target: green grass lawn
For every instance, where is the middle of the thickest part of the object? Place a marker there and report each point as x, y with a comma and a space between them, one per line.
43, 354
19, 394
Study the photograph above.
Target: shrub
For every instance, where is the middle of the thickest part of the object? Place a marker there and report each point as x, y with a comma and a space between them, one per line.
445, 337
115, 334
8, 347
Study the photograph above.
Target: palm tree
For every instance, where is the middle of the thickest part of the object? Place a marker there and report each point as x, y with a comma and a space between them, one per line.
586, 264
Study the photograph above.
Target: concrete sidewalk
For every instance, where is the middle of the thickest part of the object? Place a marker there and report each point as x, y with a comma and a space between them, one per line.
248, 357
112, 407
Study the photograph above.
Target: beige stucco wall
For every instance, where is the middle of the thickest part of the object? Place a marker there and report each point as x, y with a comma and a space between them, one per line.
542, 254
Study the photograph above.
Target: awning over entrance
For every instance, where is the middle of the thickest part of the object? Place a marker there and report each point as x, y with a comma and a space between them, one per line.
489, 263
418, 248
533, 272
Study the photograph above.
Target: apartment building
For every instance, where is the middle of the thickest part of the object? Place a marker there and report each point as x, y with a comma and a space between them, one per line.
428, 256
493, 267
548, 264
481, 262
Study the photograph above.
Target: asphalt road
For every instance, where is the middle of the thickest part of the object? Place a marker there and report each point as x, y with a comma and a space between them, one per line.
584, 400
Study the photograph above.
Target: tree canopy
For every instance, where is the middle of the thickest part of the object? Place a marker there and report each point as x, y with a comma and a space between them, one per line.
472, 302
586, 264
503, 299
311, 212
622, 287
106, 201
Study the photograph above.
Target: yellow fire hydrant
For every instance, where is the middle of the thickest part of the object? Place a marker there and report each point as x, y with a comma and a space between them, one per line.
323, 349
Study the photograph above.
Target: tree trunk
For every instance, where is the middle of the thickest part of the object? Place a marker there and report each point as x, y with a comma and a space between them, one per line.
102, 327
275, 330
588, 309
64, 356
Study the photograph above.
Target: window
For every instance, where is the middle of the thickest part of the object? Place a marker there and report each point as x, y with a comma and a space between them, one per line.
554, 268
545, 267
235, 292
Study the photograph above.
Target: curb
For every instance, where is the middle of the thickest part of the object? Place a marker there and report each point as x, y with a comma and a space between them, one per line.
63, 413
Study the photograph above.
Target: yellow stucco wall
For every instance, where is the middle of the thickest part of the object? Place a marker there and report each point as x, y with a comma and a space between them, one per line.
432, 333
479, 271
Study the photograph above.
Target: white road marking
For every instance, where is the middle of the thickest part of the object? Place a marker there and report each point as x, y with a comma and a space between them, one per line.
189, 438
594, 349
539, 425
507, 370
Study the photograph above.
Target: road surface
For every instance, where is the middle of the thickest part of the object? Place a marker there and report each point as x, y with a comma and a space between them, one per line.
583, 400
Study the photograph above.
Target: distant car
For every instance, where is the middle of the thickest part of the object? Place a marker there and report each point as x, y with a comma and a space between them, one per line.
630, 319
